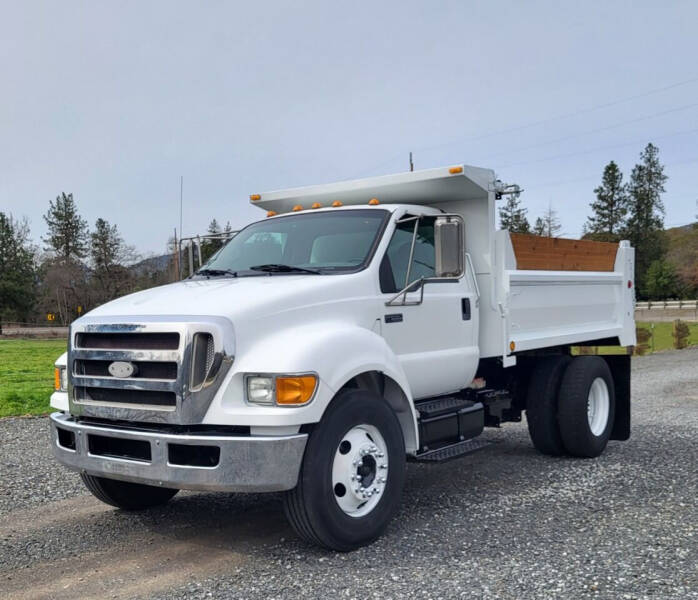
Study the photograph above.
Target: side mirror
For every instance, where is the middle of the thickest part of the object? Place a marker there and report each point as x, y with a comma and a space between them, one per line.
449, 246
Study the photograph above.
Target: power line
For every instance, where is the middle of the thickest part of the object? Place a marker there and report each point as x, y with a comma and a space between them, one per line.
598, 149
571, 114
596, 130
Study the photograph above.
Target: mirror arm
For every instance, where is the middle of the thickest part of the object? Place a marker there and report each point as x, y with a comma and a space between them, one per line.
404, 291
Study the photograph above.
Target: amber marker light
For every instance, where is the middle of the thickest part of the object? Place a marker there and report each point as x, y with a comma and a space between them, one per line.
255, 197
57, 379
297, 207
295, 390
316, 205
373, 201
271, 213
336, 204
455, 170
512, 346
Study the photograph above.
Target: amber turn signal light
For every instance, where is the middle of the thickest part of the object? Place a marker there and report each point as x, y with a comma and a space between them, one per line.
295, 390
57, 379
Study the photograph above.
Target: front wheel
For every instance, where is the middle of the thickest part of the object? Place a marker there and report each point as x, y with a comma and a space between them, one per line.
352, 474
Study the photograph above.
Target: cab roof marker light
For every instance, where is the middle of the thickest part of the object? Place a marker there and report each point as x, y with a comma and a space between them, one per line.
336, 204
316, 205
271, 213
373, 202
297, 207
255, 197
455, 170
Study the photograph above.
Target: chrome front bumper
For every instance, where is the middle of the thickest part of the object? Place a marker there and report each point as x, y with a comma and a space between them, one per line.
245, 463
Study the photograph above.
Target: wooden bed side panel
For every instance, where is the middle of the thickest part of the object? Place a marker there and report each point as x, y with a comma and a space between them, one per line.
536, 253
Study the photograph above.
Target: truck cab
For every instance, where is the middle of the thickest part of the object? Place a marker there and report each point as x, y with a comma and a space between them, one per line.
358, 325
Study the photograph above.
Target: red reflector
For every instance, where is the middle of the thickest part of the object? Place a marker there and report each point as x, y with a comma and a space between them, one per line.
630, 284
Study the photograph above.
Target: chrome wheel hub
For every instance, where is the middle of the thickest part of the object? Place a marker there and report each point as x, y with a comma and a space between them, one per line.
360, 470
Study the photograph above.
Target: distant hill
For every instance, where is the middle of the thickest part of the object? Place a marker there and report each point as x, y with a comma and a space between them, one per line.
152, 264
683, 253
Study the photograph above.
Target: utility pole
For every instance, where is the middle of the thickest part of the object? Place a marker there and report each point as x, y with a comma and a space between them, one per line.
181, 188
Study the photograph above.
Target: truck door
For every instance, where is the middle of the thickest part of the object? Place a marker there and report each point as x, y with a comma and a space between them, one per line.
435, 339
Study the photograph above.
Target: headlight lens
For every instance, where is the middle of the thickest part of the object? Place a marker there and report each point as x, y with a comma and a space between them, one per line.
260, 390
284, 390
60, 379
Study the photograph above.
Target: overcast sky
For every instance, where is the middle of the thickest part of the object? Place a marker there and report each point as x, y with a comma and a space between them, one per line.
113, 101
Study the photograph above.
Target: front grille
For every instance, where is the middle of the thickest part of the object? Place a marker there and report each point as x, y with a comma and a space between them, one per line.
125, 396
143, 369
128, 341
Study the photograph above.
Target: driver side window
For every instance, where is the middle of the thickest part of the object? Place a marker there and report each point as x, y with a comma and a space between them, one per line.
394, 266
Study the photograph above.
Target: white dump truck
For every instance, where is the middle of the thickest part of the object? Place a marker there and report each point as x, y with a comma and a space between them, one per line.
359, 325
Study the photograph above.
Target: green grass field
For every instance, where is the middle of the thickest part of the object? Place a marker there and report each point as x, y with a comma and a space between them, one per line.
26, 375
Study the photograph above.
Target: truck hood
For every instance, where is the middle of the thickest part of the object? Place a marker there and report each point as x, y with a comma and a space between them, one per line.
232, 298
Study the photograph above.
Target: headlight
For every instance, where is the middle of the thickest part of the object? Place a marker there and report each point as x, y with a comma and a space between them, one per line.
260, 390
60, 379
284, 390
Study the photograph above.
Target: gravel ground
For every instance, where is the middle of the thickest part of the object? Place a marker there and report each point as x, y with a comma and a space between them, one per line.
502, 523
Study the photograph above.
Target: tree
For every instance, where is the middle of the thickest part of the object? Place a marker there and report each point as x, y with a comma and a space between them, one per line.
512, 216
210, 246
539, 227
17, 270
109, 256
645, 224
67, 231
610, 206
548, 225
661, 281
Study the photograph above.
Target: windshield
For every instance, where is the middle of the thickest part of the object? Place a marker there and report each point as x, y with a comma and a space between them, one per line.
312, 242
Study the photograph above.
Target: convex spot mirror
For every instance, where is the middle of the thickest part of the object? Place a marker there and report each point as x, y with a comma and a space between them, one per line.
449, 246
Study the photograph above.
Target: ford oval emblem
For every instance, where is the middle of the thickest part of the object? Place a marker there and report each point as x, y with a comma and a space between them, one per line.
122, 369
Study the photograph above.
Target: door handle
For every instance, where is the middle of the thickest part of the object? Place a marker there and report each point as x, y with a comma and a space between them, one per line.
465, 308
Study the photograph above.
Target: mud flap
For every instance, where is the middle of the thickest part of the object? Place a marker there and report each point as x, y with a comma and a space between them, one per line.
620, 369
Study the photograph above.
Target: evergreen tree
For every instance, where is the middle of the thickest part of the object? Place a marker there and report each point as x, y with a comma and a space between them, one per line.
67, 230
17, 270
106, 245
210, 246
110, 255
645, 224
610, 206
539, 227
512, 216
661, 281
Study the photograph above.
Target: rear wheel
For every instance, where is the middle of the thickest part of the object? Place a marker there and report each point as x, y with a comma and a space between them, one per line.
352, 474
586, 406
542, 404
126, 495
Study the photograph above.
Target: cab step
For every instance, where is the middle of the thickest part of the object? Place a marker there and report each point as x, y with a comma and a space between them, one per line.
452, 451
448, 420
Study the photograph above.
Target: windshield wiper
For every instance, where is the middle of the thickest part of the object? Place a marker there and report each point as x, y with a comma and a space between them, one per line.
274, 268
216, 272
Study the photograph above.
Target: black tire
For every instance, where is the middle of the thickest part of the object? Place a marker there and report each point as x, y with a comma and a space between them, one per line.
577, 436
126, 495
542, 404
311, 507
